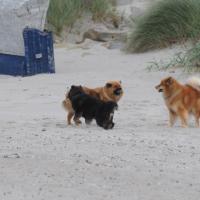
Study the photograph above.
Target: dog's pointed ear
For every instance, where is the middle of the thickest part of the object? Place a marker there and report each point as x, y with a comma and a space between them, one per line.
169, 80
108, 85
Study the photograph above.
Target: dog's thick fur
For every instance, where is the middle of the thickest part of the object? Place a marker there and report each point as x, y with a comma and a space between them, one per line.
112, 91
91, 108
181, 100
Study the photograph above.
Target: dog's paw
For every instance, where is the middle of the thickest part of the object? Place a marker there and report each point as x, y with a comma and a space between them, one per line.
184, 126
78, 123
170, 124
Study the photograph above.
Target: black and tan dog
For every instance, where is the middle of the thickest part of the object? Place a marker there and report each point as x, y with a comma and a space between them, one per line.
112, 91
91, 108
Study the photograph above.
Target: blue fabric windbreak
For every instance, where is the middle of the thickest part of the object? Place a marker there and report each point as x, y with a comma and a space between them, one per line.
39, 55
12, 65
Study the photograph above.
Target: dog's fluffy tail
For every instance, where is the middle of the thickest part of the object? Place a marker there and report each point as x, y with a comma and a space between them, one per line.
67, 105
194, 82
64, 104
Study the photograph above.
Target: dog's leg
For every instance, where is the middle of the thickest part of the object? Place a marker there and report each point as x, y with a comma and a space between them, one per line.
69, 117
183, 114
197, 122
172, 118
197, 116
88, 121
77, 117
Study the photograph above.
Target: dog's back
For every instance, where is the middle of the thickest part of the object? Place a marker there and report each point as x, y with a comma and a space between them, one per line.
74, 90
85, 104
92, 108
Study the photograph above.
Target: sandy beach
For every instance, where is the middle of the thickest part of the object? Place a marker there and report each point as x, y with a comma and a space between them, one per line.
140, 159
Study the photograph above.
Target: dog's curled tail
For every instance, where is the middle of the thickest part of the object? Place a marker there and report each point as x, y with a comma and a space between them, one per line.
64, 104
67, 105
194, 82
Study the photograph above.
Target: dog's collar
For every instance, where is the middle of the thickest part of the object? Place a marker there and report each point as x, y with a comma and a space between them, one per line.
168, 98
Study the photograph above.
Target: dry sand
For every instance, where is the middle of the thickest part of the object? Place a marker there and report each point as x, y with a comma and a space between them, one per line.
140, 159
42, 158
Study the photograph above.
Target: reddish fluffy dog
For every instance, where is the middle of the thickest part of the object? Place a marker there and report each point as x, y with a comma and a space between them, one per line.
181, 100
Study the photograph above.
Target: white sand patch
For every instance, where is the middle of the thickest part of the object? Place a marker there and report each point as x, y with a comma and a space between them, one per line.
41, 158
139, 159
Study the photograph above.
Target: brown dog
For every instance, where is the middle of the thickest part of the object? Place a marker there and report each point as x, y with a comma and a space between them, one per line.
181, 100
112, 91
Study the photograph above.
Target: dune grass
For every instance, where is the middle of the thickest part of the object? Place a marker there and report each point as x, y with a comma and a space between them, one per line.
165, 23
188, 59
63, 13
100, 8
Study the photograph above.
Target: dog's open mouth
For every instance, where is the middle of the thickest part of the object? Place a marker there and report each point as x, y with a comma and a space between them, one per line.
118, 91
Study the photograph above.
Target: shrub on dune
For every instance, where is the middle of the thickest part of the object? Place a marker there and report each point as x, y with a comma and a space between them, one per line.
189, 60
63, 13
99, 8
167, 22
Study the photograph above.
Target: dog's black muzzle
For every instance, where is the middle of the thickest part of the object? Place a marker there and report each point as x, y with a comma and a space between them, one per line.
108, 125
158, 88
118, 91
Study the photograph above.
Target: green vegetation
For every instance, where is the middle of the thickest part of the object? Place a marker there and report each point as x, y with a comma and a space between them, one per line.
166, 23
63, 13
189, 60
